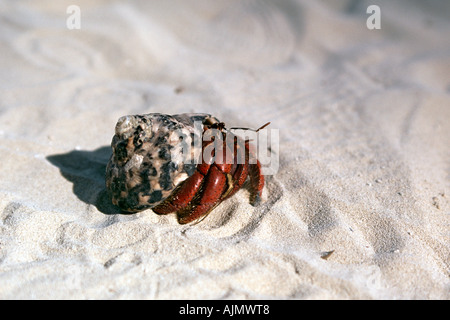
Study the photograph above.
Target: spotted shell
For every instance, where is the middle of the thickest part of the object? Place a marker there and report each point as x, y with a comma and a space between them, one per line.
148, 160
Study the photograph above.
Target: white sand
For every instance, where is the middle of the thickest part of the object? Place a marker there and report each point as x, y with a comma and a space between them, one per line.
364, 151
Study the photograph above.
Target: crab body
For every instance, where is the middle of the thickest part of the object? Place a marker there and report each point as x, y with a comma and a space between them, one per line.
187, 163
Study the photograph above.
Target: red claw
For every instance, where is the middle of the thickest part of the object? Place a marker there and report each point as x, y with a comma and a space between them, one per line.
213, 188
181, 196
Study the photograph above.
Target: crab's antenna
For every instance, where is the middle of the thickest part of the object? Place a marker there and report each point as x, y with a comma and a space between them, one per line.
260, 128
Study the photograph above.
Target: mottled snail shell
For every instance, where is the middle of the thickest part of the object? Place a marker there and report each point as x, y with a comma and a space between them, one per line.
148, 161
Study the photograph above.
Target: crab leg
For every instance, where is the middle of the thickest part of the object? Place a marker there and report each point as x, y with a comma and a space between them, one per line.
211, 192
239, 170
256, 178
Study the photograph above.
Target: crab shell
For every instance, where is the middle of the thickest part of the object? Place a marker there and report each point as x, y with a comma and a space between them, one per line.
149, 158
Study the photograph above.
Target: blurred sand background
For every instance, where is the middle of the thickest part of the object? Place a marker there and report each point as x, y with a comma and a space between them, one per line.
359, 208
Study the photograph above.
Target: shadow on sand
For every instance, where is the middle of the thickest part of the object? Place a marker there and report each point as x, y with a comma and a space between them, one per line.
86, 170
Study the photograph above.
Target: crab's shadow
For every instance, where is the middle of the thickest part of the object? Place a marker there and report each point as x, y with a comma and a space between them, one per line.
86, 170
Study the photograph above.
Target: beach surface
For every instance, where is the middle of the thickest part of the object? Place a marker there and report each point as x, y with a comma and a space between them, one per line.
358, 207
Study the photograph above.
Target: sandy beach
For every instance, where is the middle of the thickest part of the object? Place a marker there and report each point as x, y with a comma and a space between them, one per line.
358, 208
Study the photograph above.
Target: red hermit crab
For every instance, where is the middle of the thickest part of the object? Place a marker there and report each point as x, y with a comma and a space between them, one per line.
186, 163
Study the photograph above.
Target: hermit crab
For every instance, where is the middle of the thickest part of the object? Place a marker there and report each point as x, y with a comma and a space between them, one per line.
185, 163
